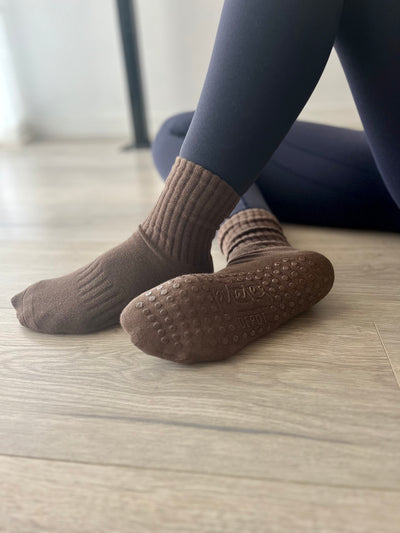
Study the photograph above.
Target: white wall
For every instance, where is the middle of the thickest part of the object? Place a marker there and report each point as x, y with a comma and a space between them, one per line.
12, 112
68, 62
69, 67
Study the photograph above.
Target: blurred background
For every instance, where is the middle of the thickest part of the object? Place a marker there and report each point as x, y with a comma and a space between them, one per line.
62, 73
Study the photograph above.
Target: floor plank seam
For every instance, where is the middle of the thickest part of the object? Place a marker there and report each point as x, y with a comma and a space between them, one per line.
198, 473
387, 354
207, 427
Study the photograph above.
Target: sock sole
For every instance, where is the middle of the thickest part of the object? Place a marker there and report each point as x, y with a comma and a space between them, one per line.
210, 317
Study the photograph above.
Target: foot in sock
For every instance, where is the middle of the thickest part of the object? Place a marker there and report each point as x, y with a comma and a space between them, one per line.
174, 239
209, 317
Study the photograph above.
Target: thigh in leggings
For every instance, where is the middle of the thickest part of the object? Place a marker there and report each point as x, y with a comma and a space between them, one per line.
319, 175
368, 44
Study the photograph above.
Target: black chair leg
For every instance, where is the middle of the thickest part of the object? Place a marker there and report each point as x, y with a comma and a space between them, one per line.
127, 25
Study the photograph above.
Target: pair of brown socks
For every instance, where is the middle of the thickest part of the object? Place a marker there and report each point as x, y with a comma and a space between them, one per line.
194, 315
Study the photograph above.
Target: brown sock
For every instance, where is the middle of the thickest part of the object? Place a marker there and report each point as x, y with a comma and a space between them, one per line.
174, 239
209, 317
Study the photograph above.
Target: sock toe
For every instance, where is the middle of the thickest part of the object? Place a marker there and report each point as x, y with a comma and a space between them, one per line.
17, 302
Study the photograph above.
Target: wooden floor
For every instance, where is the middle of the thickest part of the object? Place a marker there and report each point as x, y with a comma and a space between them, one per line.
298, 433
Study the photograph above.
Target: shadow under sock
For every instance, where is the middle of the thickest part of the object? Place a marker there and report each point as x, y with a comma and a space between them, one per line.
209, 317
173, 240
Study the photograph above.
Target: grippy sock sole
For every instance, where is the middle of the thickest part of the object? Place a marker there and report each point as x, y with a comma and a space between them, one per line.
210, 317
174, 239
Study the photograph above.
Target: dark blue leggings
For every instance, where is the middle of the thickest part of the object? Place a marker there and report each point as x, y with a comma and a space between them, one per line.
267, 58
319, 175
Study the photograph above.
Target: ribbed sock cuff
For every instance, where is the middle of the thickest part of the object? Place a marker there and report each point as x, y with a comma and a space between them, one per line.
191, 207
248, 231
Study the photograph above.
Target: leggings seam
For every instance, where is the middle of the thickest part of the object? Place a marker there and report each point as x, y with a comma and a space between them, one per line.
332, 159
310, 180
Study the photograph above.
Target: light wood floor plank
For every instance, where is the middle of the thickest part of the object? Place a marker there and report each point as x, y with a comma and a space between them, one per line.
75, 498
299, 432
389, 333
329, 395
